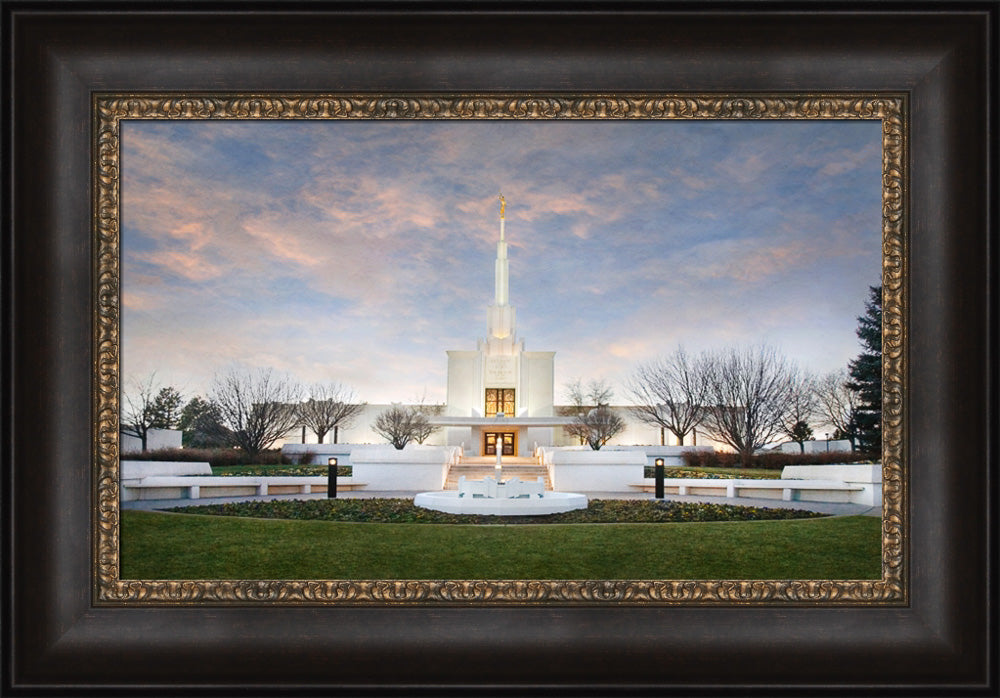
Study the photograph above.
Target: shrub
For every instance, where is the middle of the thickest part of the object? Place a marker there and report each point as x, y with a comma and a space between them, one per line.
774, 460
216, 457
305, 458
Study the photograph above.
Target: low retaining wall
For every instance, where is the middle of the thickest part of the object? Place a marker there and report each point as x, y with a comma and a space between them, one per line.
320, 454
415, 468
134, 469
671, 455
573, 470
867, 476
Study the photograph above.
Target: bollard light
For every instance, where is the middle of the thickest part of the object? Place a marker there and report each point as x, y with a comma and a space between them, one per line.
659, 478
331, 478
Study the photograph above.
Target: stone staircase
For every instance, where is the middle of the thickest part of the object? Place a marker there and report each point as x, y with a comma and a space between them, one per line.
478, 467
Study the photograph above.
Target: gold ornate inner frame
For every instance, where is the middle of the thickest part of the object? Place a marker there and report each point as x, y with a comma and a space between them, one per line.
109, 110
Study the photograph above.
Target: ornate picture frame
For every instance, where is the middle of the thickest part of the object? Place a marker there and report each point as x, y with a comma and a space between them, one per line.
109, 112
73, 627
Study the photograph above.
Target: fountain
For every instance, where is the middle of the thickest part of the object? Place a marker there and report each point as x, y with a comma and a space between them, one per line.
497, 497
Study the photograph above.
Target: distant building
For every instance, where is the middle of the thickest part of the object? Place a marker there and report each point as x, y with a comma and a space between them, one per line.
155, 439
817, 446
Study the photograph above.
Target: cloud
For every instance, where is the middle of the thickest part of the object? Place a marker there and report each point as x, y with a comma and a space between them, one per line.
361, 251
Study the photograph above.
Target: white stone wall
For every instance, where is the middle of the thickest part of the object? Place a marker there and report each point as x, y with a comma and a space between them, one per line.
321, 453
464, 379
866, 475
673, 456
638, 433
463, 437
537, 382
360, 431
133, 469
576, 470
818, 446
155, 439
413, 468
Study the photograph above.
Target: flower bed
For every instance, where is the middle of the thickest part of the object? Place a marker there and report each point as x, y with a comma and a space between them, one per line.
265, 470
403, 511
650, 471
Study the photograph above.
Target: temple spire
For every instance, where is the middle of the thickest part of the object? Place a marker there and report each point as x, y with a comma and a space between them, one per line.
501, 297
500, 322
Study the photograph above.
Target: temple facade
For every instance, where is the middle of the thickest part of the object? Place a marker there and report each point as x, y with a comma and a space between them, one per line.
500, 396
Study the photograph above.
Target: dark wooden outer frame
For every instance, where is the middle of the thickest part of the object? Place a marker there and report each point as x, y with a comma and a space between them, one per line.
55, 636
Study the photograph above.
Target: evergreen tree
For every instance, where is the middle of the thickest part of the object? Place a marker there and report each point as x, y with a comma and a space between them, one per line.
800, 433
145, 408
866, 374
200, 424
167, 408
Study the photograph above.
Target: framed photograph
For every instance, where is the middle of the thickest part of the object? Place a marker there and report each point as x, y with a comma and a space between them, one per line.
159, 183
368, 207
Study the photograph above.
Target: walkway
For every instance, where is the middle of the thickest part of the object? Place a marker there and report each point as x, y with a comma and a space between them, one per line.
831, 508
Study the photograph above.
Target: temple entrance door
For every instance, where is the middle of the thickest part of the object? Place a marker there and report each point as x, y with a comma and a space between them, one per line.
492, 438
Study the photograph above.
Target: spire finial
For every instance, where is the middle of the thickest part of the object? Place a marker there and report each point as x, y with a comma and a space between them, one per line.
503, 205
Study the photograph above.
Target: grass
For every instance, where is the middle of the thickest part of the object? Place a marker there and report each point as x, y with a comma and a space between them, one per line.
184, 546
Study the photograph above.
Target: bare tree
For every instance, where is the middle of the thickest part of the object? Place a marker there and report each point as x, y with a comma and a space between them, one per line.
138, 411
400, 424
583, 399
256, 407
802, 408
597, 393
330, 406
146, 407
669, 392
749, 390
424, 428
599, 426
839, 404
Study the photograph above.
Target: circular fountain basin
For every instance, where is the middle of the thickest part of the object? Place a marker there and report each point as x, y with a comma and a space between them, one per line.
549, 503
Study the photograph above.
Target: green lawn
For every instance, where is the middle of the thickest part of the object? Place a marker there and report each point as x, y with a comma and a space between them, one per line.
278, 469
184, 546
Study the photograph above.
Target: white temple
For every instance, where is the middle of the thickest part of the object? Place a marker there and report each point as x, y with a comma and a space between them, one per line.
500, 394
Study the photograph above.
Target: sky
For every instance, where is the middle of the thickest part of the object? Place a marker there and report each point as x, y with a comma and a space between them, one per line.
360, 251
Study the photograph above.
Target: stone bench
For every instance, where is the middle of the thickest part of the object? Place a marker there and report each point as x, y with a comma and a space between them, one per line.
197, 486
785, 490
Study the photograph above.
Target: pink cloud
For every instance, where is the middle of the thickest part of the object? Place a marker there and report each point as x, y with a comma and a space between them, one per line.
281, 246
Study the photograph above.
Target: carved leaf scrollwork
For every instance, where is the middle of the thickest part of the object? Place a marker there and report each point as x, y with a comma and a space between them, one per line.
110, 110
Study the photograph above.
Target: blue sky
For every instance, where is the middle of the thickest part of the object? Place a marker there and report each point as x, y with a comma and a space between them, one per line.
360, 251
